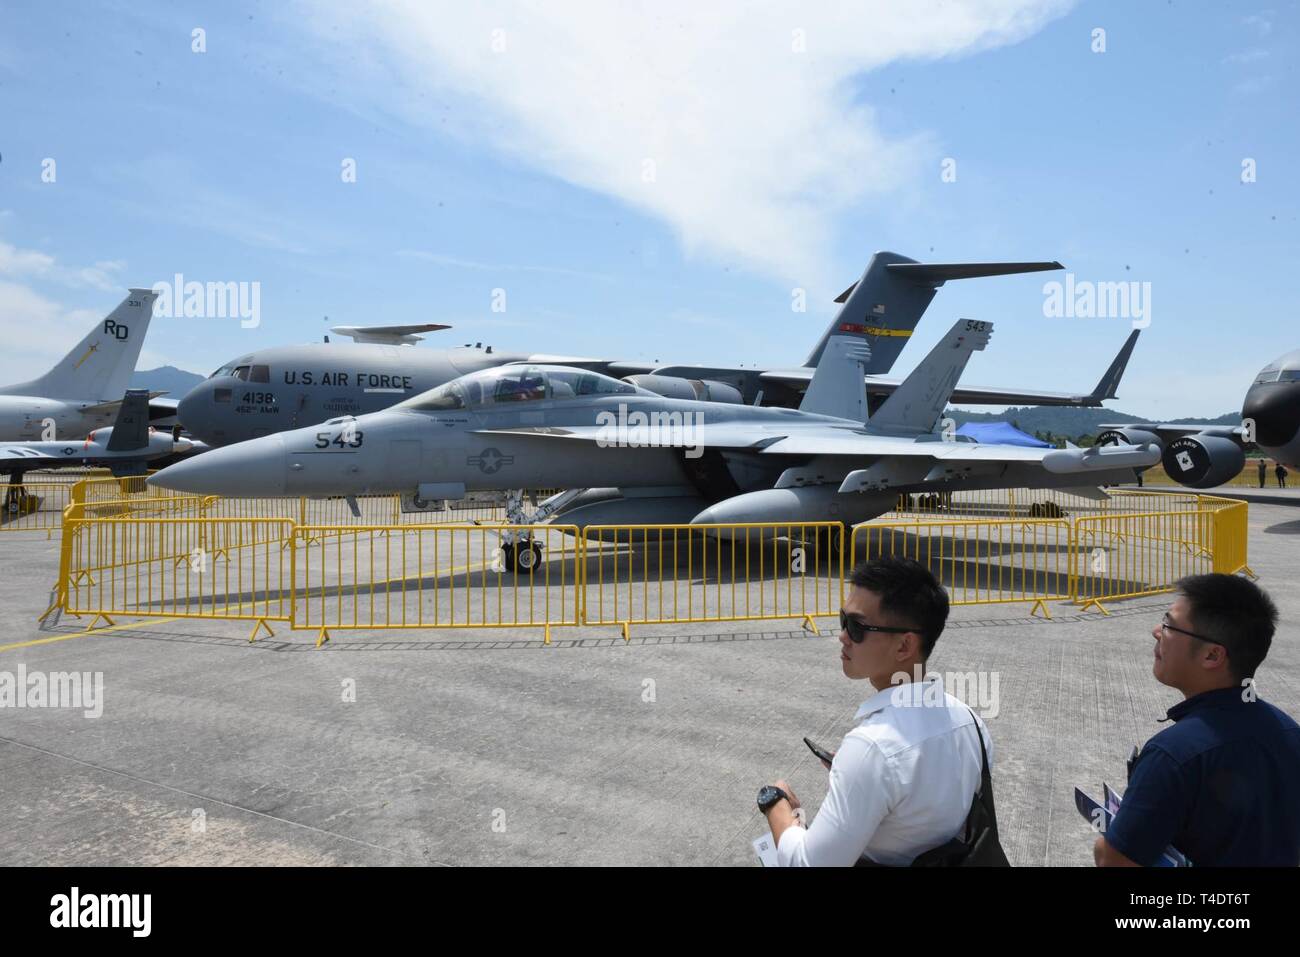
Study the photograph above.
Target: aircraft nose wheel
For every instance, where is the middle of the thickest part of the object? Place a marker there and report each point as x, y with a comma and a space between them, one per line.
523, 556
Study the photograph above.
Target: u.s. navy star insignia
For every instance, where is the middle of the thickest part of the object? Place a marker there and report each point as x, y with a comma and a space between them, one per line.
490, 461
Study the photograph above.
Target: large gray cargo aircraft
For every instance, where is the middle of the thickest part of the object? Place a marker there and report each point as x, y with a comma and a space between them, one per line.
1203, 456
645, 458
288, 387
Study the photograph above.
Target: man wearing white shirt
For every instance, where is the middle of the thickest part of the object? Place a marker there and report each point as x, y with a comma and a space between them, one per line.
903, 779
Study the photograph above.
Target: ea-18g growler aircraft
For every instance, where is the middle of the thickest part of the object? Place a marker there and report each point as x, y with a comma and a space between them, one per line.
84, 390
288, 387
628, 455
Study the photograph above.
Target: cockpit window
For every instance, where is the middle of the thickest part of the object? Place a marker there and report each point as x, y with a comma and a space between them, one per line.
241, 373
526, 385
224, 370
508, 385
259, 374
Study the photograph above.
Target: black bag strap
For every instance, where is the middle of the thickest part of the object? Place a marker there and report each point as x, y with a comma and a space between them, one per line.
985, 795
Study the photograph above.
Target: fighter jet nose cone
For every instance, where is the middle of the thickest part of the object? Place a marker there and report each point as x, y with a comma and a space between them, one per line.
247, 469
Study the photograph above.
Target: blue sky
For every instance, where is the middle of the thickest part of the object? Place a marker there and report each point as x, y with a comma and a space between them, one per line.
517, 161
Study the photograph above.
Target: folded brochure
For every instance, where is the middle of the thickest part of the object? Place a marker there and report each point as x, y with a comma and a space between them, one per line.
1100, 818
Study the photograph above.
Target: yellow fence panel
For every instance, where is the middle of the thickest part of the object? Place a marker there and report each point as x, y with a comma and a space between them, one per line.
1230, 530
34, 506
1126, 556
659, 574
434, 576
980, 562
178, 568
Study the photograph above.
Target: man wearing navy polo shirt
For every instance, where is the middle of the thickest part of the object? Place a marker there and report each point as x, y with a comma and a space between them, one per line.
1222, 783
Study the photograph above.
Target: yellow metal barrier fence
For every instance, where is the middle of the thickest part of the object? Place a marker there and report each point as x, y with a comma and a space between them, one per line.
661, 574
33, 506
1230, 533
176, 556
981, 562
433, 576
1127, 556
178, 568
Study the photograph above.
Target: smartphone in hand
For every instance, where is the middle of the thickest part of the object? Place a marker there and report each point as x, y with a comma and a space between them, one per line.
824, 756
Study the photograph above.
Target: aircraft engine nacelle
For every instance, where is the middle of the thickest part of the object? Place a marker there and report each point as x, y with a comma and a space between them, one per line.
1202, 461
1129, 437
674, 387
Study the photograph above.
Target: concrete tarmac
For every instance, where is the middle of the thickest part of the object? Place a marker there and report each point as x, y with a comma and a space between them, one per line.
479, 747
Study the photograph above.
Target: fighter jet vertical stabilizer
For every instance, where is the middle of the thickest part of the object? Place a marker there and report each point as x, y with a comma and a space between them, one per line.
131, 430
919, 400
837, 387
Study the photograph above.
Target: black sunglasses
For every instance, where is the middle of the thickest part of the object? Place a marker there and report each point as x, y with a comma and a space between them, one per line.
858, 630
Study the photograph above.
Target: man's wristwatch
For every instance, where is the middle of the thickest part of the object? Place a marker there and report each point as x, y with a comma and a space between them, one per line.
768, 795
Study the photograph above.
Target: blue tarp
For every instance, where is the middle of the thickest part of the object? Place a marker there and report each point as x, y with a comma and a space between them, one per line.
1000, 433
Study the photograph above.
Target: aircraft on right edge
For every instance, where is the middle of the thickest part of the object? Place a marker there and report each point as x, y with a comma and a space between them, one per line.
1203, 456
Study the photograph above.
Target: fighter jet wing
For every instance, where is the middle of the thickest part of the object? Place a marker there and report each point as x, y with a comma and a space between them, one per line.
860, 444
867, 462
28, 457
722, 435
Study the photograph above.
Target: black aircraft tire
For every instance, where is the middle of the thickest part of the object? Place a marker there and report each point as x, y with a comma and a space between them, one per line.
523, 557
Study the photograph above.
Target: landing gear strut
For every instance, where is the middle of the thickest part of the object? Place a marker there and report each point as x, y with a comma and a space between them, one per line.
521, 552
18, 501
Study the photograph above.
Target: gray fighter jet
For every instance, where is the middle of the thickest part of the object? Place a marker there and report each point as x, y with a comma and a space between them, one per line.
127, 447
289, 387
628, 455
1203, 456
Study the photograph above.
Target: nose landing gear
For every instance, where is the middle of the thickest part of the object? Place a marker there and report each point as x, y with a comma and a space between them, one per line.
520, 551
18, 501
523, 555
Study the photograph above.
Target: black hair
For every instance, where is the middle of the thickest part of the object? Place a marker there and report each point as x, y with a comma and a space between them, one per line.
1235, 612
909, 593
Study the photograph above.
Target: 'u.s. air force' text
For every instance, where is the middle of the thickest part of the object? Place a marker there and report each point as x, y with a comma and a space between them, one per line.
358, 380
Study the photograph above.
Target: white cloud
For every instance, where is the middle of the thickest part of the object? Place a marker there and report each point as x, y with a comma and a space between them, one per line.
36, 330
1247, 56
704, 115
455, 262
1261, 23
33, 264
